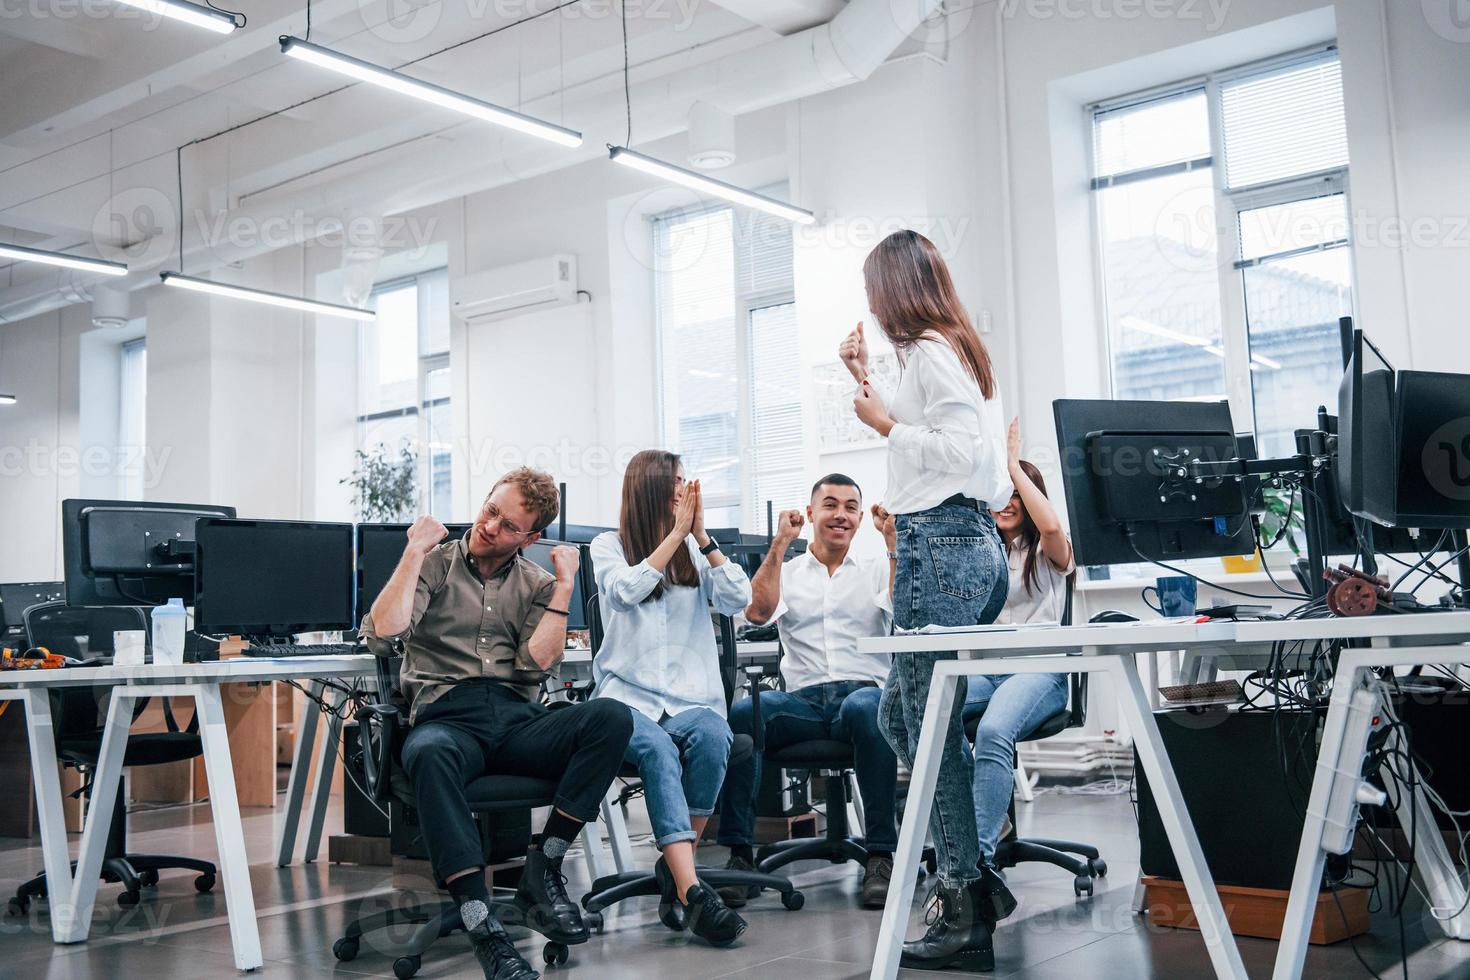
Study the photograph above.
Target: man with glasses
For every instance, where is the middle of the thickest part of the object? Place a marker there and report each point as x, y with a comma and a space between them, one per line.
479, 626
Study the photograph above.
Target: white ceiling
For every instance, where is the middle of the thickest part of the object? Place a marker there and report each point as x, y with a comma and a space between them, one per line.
99, 96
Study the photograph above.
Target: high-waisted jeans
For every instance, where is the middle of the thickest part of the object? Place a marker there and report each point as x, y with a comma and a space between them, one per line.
951, 572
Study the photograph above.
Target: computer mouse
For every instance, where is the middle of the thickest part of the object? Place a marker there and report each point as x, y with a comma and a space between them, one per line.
1113, 616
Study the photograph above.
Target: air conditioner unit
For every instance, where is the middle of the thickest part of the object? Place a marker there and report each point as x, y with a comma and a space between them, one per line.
515, 289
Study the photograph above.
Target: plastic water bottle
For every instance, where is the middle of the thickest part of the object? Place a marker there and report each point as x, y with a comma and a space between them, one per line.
168, 633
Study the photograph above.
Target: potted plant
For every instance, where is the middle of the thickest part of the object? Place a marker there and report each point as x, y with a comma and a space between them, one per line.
385, 484
1280, 520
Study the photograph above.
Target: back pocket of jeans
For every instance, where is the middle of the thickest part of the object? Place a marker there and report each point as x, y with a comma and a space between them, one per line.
962, 566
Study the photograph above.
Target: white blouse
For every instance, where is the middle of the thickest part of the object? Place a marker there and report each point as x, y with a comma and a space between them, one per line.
660, 657
949, 438
1046, 600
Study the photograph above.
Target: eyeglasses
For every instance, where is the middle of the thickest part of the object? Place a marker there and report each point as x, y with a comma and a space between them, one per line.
491, 517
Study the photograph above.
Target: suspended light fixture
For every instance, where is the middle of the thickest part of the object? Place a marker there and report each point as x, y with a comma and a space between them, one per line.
427, 91
7, 399
266, 297
21, 253
209, 18
710, 186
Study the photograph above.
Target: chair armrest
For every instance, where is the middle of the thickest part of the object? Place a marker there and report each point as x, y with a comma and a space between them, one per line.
378, 727
753, 675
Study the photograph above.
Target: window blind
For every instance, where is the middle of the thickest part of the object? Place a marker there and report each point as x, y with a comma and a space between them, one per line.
1283, 122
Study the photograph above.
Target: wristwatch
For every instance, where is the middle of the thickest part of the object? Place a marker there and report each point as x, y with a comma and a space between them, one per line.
713, 546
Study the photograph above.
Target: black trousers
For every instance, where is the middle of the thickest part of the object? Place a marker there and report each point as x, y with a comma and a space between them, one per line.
483, 728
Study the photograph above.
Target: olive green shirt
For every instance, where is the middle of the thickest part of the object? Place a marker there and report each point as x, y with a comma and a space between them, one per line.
464, 627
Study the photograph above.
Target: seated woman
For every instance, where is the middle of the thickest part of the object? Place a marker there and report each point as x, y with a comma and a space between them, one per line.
1039, 554
658, 656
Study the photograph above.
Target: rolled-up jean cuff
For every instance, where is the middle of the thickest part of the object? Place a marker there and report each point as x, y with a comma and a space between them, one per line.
968, 879
674, 838
572, 810
701, 813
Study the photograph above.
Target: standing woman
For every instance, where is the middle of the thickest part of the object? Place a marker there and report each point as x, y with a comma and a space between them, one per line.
1039, 556
657, 576
946, 467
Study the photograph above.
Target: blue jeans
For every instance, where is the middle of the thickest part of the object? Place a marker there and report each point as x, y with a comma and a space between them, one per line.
846, 711
681, 761
951, 572
1009, 706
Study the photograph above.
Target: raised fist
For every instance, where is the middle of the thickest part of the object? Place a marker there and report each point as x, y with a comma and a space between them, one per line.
425, 534
565, 560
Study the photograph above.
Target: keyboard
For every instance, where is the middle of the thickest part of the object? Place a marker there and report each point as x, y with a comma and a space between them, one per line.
300, 650
1209, 692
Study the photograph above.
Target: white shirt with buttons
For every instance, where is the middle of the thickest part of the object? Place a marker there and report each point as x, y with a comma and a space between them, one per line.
821, 617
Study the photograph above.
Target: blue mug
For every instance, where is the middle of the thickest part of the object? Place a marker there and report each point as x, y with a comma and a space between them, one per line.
1176, 595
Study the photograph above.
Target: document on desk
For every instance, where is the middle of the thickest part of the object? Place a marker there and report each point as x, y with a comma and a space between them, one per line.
1033, 627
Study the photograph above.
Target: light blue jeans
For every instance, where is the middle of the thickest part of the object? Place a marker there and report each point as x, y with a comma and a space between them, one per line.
1009, 707
681, 760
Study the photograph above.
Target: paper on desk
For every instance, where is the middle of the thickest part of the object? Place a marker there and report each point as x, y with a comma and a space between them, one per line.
1032, 627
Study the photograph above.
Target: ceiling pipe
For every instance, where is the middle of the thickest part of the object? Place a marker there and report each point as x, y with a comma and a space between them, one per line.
830, 56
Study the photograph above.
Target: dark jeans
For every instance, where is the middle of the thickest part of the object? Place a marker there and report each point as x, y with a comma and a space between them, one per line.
951, 572
846, 711
482, 728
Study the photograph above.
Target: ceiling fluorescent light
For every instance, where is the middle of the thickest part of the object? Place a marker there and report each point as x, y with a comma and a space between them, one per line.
7, 399
1144, 326
428, 92
1264, 361
190, 13
264, 296
708, 185
23, 254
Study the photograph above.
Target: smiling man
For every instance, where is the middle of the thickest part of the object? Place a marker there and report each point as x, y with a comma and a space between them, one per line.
478, 627
822, 602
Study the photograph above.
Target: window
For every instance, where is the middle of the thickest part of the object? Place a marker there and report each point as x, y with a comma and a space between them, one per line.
132, 421
1222, 222
730, 379
404, 383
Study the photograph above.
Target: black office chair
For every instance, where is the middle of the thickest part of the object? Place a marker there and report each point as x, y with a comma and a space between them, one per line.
1014, 850
611, 889
382, 728
61, 628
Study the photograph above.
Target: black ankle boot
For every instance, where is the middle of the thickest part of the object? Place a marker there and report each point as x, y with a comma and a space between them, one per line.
496, 956
709, 919
542, 898
670, 909
995, 901
958, 937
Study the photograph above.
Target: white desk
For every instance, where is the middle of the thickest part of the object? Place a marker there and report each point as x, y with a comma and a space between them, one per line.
71, 897
1095, 649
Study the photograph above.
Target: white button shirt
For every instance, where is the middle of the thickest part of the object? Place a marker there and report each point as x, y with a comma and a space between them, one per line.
948, 438
820, 618
660, 657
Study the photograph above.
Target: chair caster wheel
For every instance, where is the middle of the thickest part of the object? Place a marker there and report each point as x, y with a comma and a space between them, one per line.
345, 949
128, 899
1098, 867
793, 901
148, 879
1082, 884
17, 907
555, 954
406, 966
594, 922
204, 883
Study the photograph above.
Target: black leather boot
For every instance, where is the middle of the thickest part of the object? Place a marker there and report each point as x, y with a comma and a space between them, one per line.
958, 937
670, 910
542, 898
709, 919
497, 956
995, 899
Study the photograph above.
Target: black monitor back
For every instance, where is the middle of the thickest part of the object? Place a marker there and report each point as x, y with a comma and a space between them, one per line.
1432, 410
17, 597
379, 547
540, 553
110, 553
573, 533
1366, 434
1097, 535
272, 578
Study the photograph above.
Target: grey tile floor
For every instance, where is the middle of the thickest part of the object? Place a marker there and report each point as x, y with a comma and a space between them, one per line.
178, 933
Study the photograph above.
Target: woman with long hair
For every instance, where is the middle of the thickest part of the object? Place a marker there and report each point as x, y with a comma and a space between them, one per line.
1039, 556
657, 577
945, 430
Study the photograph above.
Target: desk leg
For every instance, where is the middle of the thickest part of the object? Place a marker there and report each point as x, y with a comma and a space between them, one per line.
300, 766
42, 736
617, 833
321, 790
98, 818
1442, 883
915, 820
596, 856
1209, 912
229, 834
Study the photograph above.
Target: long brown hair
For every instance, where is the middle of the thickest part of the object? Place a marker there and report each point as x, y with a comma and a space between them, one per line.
648, 517
1028, 535
911, 293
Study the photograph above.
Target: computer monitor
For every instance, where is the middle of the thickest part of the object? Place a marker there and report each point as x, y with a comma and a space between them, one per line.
573, 533
379, 548
272, 578
1128, 499
129, 553
1432, 415
1366, 434
540, 553
17, 597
